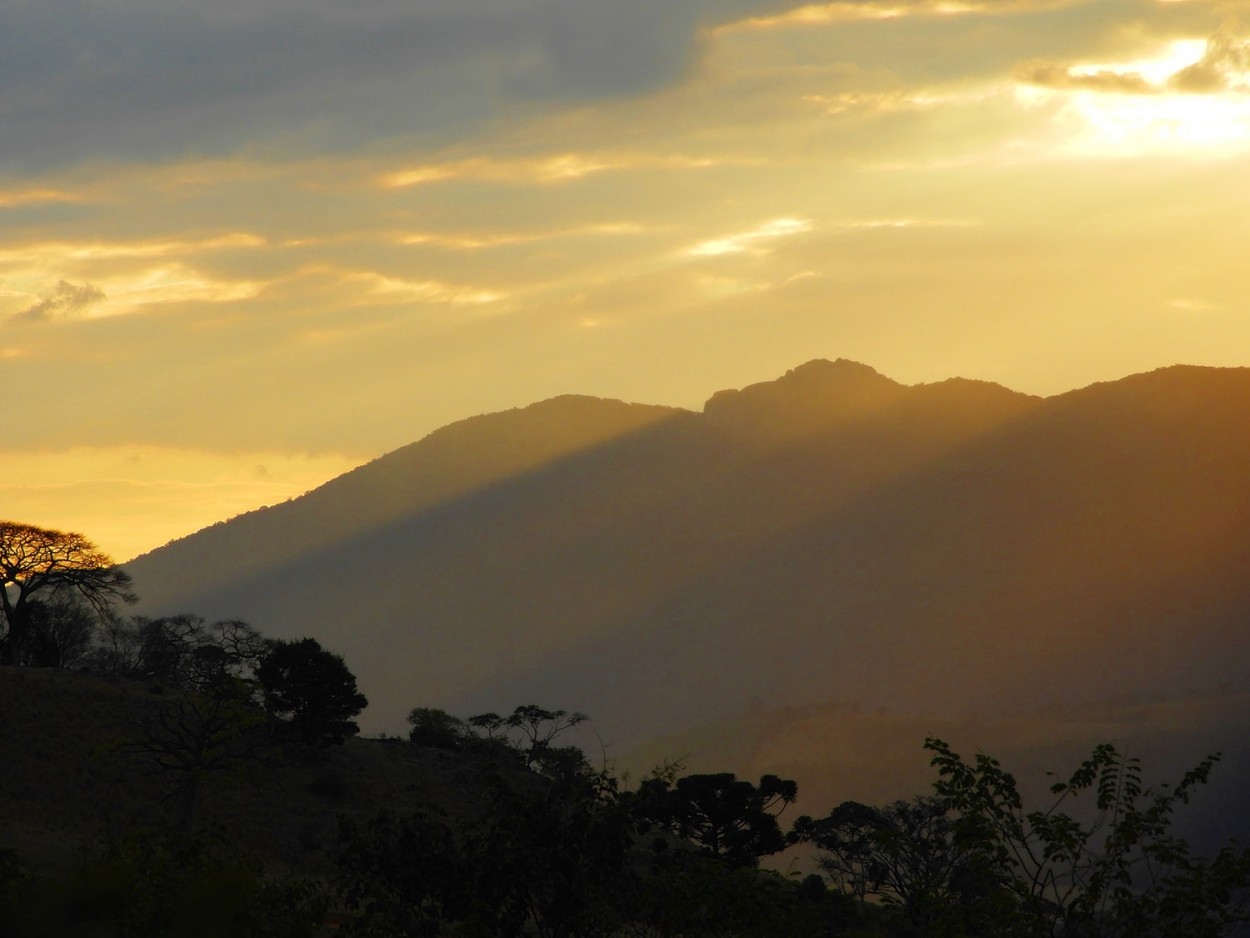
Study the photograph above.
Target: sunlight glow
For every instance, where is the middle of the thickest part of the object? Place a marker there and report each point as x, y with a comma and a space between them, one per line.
1189, 98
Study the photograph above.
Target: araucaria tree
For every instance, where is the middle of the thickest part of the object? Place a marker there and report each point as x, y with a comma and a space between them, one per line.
38, 563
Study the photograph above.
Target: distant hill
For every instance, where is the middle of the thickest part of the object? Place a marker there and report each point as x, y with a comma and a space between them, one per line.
954, 551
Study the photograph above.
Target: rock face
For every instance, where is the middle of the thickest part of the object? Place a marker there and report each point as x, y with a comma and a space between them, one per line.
953, 549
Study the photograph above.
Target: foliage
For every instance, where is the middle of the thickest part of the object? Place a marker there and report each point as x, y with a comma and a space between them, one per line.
62, 630
904, 854
182, 651
437, 728
1123, 872
542, 854
36, 563
973, 860
723, 815
311, 692
531, 731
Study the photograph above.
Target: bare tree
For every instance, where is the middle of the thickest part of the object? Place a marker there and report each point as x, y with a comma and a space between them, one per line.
63, 628
36, 562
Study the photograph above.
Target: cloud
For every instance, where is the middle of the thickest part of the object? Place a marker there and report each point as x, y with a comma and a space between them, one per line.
13, 198
64, 302
1220, 64
1051, 75
544, 170
751, 241
820, 14
368, 286
474, 242
147, 79
119, 249
1222, 67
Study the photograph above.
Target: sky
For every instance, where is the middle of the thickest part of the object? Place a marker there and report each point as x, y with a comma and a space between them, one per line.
246, 245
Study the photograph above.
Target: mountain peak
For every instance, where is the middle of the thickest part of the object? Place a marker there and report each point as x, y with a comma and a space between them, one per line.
818, 392
840, 369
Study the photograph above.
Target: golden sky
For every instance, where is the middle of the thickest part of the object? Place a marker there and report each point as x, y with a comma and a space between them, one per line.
245, 246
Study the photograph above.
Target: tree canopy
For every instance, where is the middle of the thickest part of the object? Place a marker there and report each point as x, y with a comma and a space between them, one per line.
311, 691
38, 562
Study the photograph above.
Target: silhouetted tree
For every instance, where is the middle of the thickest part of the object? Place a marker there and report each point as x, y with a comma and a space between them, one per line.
37, 562
310, 692
725, 816
904, 854
437, 728
62, 631
181, 651
539, 855
974, 861
531, 732
548, 853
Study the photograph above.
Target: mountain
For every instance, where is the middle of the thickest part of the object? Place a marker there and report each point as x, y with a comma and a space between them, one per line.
954, 551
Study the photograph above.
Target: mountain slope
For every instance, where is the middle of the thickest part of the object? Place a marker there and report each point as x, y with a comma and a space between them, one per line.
951, 549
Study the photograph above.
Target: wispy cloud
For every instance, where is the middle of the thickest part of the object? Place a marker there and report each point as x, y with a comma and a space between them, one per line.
544, 170
13, 198
370, 285
754, 241
887, 223
820, 14
121, 249
473, 242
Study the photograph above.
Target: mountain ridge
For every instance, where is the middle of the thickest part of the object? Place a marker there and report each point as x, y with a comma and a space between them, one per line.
949, 548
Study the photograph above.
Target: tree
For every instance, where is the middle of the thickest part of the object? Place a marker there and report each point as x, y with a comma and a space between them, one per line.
974, 861
1117, 869
725, 816
311, 692
38, 562
904, 855
531, 732
437, 728
181, 651
201, 734
62, 630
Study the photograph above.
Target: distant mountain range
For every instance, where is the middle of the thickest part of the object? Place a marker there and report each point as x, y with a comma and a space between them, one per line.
832, 540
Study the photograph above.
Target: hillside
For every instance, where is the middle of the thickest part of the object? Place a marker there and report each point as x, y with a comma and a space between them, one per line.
955, 551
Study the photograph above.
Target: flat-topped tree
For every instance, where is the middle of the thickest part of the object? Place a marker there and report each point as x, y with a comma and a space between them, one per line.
38, 562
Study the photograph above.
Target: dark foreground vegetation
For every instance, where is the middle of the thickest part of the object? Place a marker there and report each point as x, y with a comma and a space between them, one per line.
175, 777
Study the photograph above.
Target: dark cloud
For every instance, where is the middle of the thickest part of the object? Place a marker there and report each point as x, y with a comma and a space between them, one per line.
64, 301
147, 79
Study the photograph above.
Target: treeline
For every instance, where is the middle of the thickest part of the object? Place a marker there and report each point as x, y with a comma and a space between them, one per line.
538, 841
526, 836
